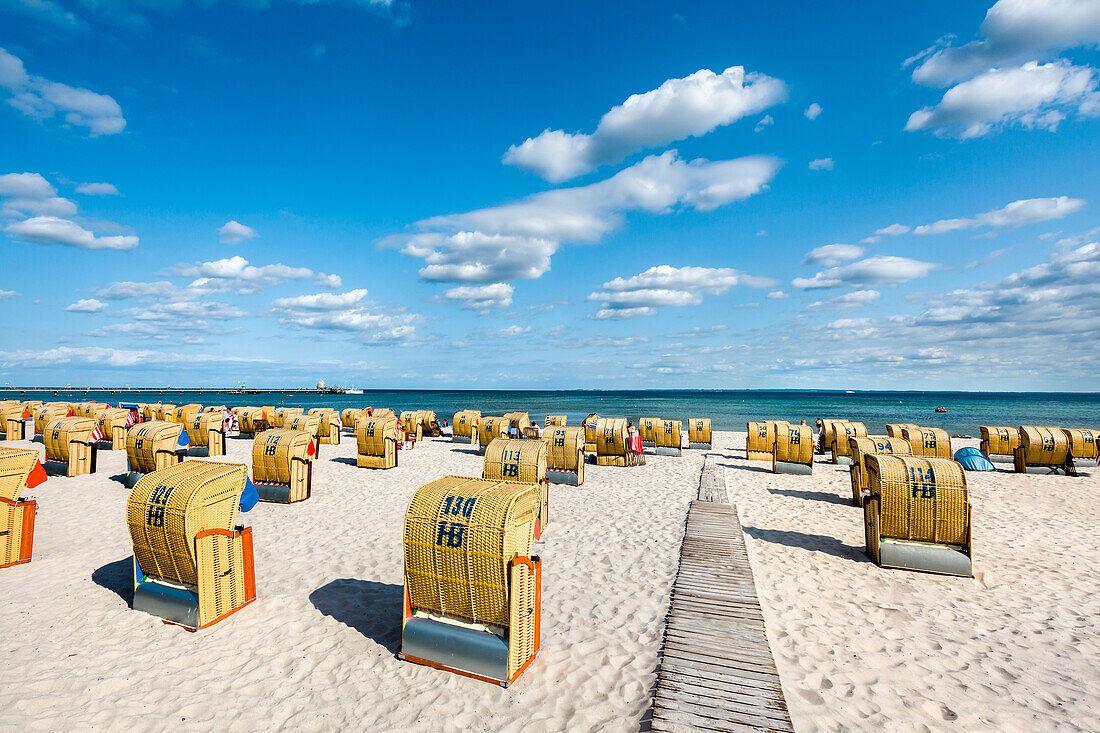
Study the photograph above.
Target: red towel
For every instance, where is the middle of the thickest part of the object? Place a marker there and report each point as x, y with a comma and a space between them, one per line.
636, 444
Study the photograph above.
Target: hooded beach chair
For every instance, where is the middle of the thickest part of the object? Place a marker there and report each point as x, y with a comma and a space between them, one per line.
70, 446
151, 446
429, 423
166, 412
253, 420
917, 514
868, 446
999, 444
647, 430
794, 450
183, 413
282, 465
193, 564
760, 440
564, 455
828, 434
19, 470
280, 416
463, 426
669, 438
206, 430
522, 461
841, 447
473, 601
518, 420
310, 424
113, 424
349, 416
699, 435
48, 412
1043, 450
329, 429
612, 443
555, 421
382, 412
411, 427
894, 430
489, 429
13, 421
1082, 447
376, 442
590, 423
929, 442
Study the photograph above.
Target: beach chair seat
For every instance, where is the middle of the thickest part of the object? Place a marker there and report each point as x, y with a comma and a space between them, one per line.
843, 431
929, 442
280, 416
1082, 446
489, 429
647, 430
1043, 450
184, 413
590, 423
47, 412
794, 450
472, 600
760, 439
193, 565
999, 443
206, 433
612, 443
349, 416
13, 421
917, 514
151, 446
113, 424
699, 435
329, 428
522, 461
564, 455
555, 421
282, 465
464, 425
868, 446
669, 438
70, 447
19, 470
376, 442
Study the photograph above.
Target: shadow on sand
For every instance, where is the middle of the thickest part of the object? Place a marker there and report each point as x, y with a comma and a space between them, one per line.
373, 609
807, 541
117, 577
812, 496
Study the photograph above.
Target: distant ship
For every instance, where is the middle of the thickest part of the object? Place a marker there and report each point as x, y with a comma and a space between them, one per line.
353, 390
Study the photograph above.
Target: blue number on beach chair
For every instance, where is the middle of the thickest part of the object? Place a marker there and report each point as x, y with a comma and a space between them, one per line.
138, 443
269, 450
796, 439
509, 470
924, 483
559, 442
451, 532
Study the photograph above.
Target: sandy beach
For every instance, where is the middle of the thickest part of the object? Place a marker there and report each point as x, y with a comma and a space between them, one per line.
857, 647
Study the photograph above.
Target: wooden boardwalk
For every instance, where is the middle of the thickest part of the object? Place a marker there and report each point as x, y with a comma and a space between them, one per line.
717, 671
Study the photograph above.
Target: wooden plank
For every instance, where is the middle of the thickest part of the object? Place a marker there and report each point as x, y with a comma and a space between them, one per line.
717, 670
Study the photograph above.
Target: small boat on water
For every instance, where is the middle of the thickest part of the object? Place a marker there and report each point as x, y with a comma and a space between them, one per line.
941, 409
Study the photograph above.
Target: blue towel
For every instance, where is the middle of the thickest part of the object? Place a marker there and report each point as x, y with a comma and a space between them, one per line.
249, 496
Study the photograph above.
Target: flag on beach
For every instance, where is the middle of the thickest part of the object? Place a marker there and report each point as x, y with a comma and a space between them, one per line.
26, 413
131, 418
97, 434
37, 475
311, 451
185, 439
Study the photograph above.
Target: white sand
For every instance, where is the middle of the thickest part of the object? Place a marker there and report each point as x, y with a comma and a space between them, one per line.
316, 651
857, 647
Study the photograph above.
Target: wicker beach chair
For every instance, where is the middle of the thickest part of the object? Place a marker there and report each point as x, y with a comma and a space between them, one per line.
429, 423
113, 424
13, 421
280, 416
590, 423
794, 450
917, 514
349, 416
565, 455
828, 434
17, 469
647, 430
253, 420
868, 446
1082, 446
929, 442
1044, 450
282, 465
70, 449
310, 424
999, 444
206, 430
151, 446
463, 426
699, 435
669, 438
842, 432
47, 412
329, 430
472, 589
489, 429
894, 430
760, 440
193, 565
522, 461
555, 421
376, 442
612, 444
183, 413
518, 420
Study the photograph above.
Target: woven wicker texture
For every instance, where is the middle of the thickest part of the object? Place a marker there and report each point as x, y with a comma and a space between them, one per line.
183, 413
47, 412
828, 434
460, 534
376, 442
112, 423
490, 428
520, 420
281, 456
760, 440
999, 441
611, 439
794, 444
310, 424
409, 421
860, 448
428, 421
251, 420
69, 440
894, 430
921, 499
168, 508
149, 411
928, 442
647, 428
1044, 446
87, 409
32, 405
11, 421
280, 416
669, 434
151, 446
200, 427
383, 412
699, 430
15, 465
329, 429
463, 424
555, 421
843, 431
349, 416
590, 423
166, 411
515, 460
565, 448
1082, 443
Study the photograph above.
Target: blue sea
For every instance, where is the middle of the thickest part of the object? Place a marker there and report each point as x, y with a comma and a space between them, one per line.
728, 410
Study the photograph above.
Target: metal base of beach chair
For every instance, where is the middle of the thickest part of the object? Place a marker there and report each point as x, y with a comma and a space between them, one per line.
462, 439
942, 559
665, 451
174, 605
798, 469
1084, 462
843, 460
1068, 470
556, 476
1000, 459
702, 446
131, 478
278, 493
455, 648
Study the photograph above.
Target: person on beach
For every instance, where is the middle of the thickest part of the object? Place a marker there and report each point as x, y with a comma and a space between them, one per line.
819, 426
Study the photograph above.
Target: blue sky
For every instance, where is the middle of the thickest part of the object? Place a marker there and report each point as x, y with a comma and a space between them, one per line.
415, 194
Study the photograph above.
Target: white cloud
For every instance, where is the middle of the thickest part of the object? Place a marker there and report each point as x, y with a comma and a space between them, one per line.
1014, 31
233, 232
511, 332
87, 305
877, 270
516, 240
482, 297
854, 299
1016, 214
765, 121
620, 314
678, 109
41, 98
29, 194
46, 11
54, 230
1031, 96
812, 111
7, 294
97, 189
894, 230
667, 286
322, 301
832, 254
822, 164
777, 295
236, 274
348, 313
